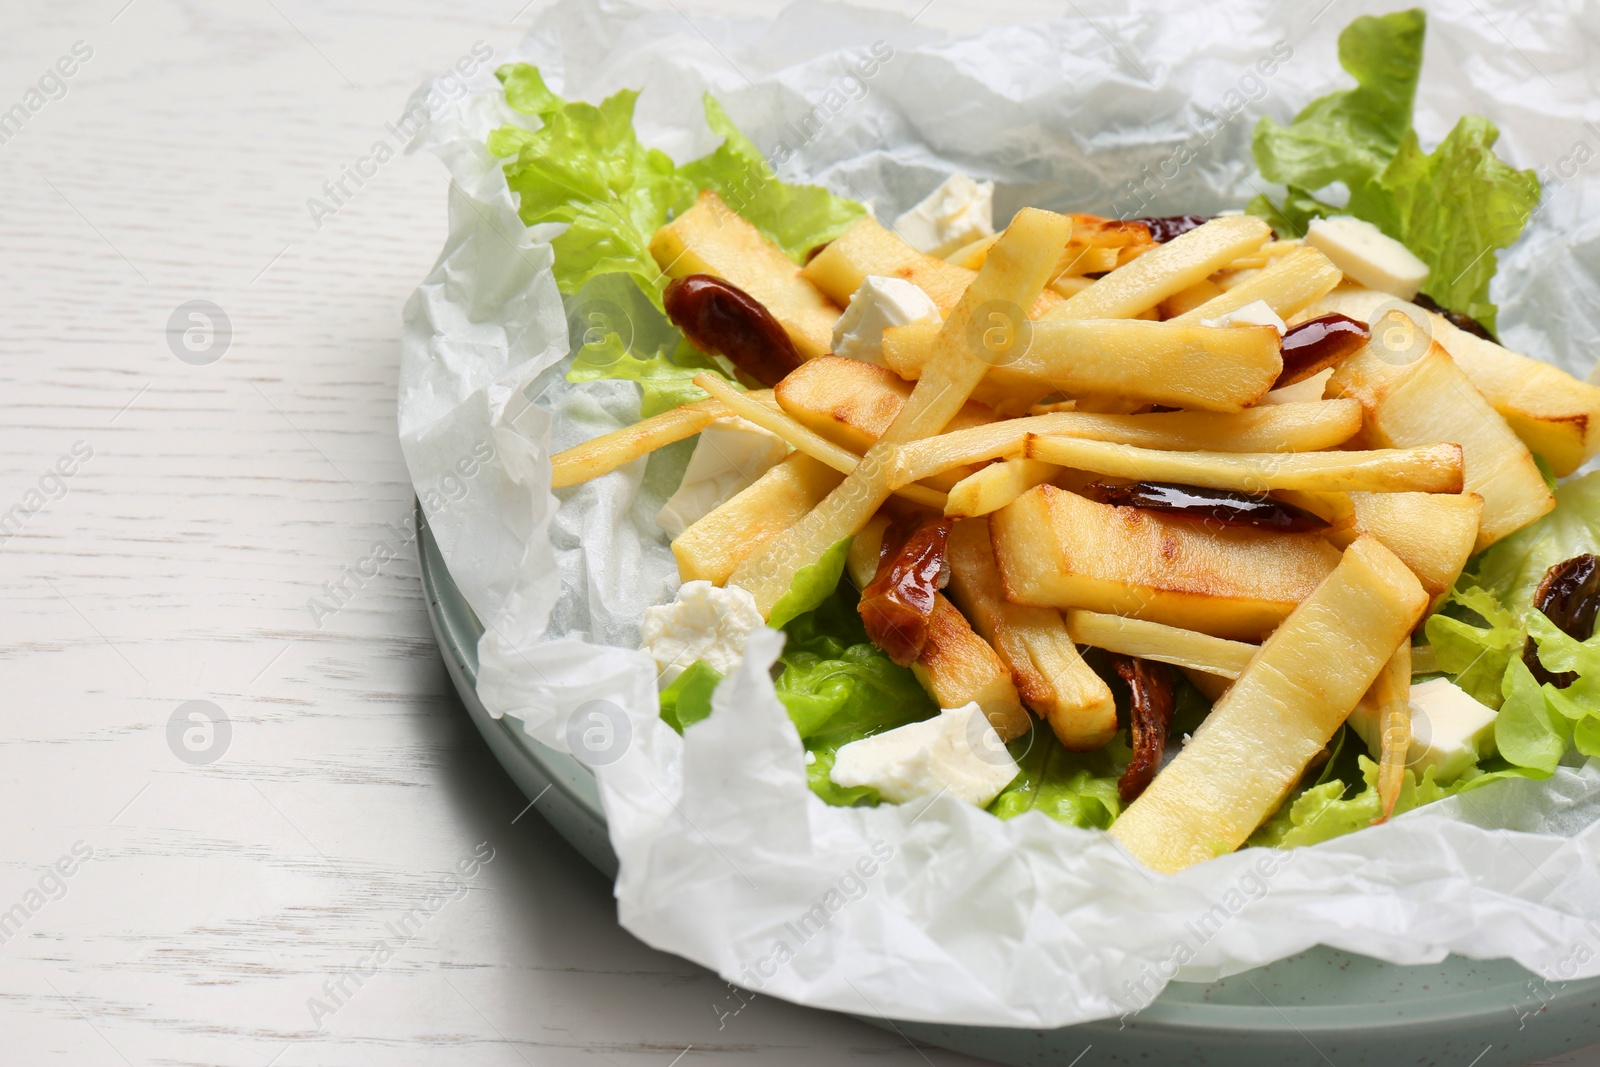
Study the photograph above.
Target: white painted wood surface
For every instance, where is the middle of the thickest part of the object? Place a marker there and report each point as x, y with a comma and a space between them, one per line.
175, 564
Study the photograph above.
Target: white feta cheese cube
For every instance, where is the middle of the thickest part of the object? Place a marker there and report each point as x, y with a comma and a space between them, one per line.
957, 213
730, 455
1368, 255
880, 303
1255, 313
702, 622
1450, 731
956, 751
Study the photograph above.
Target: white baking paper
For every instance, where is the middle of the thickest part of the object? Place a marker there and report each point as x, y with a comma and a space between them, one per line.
935, 911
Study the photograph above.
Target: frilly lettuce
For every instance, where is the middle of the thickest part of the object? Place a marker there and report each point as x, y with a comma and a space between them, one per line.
1453, 207
583, 166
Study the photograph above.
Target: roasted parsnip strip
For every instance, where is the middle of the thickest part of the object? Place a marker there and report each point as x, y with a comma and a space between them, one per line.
1011, 278
1162, 271
1180, 364
1288, 285
1158, 641
1392, 694
1034, 644
1304, 427
1428, 469
604, 454
995, 486
801, 437
1279, 715
723, 538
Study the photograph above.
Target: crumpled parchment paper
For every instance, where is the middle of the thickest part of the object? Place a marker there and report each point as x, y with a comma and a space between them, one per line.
935, 911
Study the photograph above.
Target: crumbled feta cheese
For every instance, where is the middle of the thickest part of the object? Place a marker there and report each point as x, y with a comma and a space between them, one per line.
811, 757
880, 303
957, 213
1255, 313
1368, 255
703, 622
956, 751
1449, 729
730, 455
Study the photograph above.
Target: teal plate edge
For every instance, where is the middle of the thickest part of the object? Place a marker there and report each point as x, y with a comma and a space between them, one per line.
1318, 1008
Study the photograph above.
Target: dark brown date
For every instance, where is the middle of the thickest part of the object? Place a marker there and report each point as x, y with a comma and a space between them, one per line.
1165, 228
1317, 344
1215, 505
897, 604
1569, 596
1456, 319
727, 321
1149, 720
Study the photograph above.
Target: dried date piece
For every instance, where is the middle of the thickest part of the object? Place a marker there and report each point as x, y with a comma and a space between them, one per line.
1149, 719
1215, 505
1455, 318
1569, 596
727, 321
1165, 228
1317, 344
898, 603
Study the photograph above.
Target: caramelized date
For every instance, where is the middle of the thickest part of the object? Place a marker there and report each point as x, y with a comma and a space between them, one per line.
1216, 505
1317, 344
1456, 319
1569, 596
727, 321
1149, 719
1165, 228
897, 604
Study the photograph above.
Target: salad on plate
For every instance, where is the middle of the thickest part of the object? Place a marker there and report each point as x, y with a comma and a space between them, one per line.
1205, 531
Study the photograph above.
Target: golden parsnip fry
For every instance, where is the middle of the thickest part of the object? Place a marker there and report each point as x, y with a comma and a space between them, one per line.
1285, 707
1288, 285
604, 454
1158, 641
1180, 364
1429, 399
957, 667
710, 238
995, 486
1058, 549
867, 248
1012, 276
721, 539
1430, 469
1168, 269
802, 438
1432, 533
1280, 428
1033, 643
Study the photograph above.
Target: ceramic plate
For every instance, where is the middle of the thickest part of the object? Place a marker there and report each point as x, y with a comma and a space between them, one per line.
1320, 1008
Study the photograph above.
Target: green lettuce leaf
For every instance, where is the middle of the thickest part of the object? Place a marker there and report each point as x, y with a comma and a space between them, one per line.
1475, 656
812, 584
1512, 568
1331, 809
1453, 207
585, 167
688, 699
1077, 788
839, 687
797, 218
1350, 136
1527, 732
664, 377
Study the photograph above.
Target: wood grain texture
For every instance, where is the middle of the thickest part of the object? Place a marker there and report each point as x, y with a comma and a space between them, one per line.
176, 566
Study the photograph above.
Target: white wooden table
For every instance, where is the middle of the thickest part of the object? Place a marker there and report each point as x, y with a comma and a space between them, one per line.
273, 890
